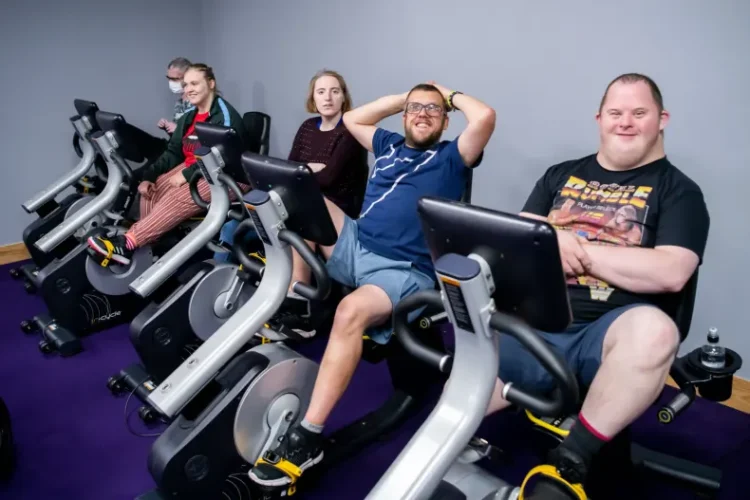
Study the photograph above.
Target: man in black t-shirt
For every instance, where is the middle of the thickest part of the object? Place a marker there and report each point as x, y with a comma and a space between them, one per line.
632, 230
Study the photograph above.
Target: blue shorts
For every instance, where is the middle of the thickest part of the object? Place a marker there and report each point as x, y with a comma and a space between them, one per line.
580, 346
353, 265
227, 237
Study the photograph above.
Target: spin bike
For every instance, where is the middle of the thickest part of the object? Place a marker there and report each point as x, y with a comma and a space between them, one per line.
51, 212
165, 332
83, 297
7, 449
228, 409
498, 273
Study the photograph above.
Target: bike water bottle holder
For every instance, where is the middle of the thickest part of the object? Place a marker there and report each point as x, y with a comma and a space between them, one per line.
714, 384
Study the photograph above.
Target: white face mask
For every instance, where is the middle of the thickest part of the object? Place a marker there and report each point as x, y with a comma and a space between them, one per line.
175, 87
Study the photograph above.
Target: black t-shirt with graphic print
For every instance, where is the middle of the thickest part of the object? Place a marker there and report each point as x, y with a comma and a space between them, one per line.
649, 206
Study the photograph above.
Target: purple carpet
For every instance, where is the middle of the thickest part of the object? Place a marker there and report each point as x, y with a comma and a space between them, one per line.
72, 441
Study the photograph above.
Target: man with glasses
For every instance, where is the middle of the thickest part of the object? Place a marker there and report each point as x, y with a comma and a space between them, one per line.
175, 72
382, 254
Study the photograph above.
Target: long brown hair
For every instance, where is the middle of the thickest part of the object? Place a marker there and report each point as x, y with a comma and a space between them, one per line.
310, 104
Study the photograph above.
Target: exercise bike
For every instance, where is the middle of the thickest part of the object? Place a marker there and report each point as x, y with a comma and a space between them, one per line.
226, 410
202, 395
165, 332
83, 297
532, 294
7, 449
471, 247
51, 212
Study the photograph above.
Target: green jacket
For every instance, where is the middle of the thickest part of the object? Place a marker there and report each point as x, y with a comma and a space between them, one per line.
221, 113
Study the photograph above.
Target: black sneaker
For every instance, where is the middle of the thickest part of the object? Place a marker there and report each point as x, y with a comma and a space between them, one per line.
299, 450
550, 488
569, 464
105, 249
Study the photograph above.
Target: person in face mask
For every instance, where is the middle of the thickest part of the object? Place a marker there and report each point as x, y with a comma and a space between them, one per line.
165, 199
175, 73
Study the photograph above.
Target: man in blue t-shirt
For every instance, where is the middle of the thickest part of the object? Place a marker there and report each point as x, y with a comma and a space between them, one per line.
383, 253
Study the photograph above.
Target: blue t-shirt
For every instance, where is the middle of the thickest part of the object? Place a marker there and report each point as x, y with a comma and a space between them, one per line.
389, 224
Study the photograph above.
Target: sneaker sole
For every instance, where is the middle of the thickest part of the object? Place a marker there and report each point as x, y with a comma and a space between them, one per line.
303, 333
103, 252
285, 480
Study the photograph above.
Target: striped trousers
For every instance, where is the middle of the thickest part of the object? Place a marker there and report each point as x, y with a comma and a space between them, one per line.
167, 206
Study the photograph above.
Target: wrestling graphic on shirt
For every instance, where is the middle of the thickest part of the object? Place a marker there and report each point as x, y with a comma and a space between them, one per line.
603, 214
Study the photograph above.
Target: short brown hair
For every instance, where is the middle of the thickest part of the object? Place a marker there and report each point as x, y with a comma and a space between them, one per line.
208, 73
635, 78
310, 104
424, 87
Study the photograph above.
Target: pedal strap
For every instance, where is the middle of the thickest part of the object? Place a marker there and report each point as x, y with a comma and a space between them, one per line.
110, 250
263, 339
546, 426
287, 468
576, 490
258, 256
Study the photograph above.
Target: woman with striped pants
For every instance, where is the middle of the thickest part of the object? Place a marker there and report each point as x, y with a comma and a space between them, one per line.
165, 193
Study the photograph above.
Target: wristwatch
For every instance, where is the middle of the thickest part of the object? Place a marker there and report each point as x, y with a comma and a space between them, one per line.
450, 98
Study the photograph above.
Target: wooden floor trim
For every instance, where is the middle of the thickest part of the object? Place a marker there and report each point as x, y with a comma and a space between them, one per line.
740, 399
14, 252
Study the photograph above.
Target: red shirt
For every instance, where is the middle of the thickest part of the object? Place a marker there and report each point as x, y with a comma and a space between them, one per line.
190, 144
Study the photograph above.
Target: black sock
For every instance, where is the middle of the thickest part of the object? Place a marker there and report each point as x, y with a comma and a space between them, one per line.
584, 440
311, 433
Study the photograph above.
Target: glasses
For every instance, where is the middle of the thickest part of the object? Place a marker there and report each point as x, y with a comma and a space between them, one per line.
414, 108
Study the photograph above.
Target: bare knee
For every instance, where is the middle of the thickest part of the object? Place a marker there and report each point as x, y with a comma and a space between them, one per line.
497, 401
647, 334
367, 306
348, 320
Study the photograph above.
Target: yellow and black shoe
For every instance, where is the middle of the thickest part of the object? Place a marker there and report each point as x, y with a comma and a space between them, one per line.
299, 451
106, 250
545, 483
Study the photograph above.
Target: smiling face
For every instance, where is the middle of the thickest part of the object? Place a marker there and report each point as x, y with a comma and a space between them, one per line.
424, 118
630, 125
198, 89
328, 96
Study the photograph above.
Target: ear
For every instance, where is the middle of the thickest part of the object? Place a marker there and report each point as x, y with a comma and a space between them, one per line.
598, 117
663, 120
446, 122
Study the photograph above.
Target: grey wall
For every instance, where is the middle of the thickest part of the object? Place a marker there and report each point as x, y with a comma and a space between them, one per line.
543, 66
114, 53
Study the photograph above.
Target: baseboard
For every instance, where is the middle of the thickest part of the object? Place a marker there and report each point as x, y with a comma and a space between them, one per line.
740, 399
14, 252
